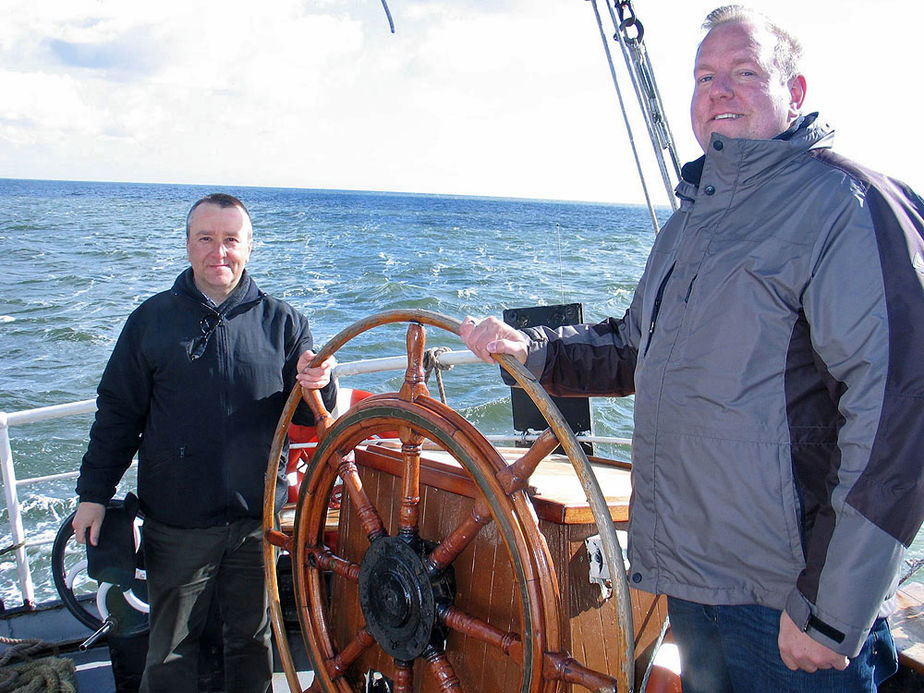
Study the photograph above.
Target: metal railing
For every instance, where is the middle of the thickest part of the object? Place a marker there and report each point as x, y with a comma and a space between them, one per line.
11, 484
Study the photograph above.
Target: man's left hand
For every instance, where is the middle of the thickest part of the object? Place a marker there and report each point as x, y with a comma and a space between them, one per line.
317, 377
800, 651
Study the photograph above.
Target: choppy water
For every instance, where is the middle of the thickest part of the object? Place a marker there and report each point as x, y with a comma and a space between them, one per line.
76, 258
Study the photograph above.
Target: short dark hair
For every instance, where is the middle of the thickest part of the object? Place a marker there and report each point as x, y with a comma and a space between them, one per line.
222, 200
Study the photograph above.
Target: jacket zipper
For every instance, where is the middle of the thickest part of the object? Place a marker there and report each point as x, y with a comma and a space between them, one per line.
657, 307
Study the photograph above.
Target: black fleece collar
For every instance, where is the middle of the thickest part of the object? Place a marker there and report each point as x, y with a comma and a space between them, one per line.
245, 291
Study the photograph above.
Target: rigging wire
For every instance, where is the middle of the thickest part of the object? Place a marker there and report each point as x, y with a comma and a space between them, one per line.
391, 23
625, 116
641, 74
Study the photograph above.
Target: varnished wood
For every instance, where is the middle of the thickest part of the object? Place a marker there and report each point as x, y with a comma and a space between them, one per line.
326, 560
587, 616
459, 538
410, 482
555, 492
441, 670
563, 668
509, 643
278, 539
344, 618
516, 476
404, 677
415, 383
368, 514
523, 594
337, 666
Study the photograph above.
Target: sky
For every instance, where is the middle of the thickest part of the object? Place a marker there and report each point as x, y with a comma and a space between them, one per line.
475, 97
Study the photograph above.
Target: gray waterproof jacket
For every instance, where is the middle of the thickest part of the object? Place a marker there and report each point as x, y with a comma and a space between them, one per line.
775, 344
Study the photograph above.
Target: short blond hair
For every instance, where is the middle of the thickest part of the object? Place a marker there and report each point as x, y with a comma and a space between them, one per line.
787, 51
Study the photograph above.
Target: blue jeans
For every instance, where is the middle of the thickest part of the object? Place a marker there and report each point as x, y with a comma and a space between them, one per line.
734, 648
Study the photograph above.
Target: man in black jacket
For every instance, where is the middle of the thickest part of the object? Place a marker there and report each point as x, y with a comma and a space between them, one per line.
195, 386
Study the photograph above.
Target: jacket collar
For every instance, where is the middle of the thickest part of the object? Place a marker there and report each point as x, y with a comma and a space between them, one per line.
245, 292
747, 160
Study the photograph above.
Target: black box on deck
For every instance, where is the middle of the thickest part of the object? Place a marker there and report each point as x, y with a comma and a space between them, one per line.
576, 410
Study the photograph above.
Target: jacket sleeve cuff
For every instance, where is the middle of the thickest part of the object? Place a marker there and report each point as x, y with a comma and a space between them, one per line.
535, 356
94, 496
824, 628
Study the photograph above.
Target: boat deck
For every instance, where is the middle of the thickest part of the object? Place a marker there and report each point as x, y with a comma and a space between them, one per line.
56, 626
94, 672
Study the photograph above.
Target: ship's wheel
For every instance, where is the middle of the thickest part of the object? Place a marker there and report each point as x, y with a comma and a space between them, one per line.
408, 614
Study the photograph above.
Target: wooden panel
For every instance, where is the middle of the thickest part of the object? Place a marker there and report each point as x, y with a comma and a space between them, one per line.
485, 584
590, 617
555, 490
484, 587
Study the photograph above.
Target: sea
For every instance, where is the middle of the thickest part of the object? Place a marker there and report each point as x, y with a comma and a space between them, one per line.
77, 257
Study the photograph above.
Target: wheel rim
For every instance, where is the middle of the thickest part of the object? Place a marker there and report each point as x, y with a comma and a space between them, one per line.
415, 391
511, 514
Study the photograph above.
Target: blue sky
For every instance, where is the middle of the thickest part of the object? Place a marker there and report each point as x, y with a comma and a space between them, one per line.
492, 97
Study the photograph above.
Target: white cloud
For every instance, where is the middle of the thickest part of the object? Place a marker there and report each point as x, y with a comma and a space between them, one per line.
506, 98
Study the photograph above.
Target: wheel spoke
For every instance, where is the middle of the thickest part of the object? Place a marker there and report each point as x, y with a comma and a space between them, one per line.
524, 623
458, 539
511, 644
279, 539
404, 676
368, 515
562, 667
516, 476
441, 669
409, 513
361, 642
415, 382
324, 559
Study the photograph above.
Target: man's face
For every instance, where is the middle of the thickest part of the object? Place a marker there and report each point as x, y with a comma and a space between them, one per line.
218, 248
739, 90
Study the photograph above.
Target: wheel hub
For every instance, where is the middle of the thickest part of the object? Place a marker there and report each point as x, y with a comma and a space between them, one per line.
399, 600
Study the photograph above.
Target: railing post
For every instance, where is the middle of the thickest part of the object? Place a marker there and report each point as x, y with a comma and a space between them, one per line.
12, 505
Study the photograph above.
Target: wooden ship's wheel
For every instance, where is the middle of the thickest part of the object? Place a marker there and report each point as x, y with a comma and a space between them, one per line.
403, 589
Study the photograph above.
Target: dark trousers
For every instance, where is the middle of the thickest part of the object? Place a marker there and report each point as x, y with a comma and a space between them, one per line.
186, 570
726, 649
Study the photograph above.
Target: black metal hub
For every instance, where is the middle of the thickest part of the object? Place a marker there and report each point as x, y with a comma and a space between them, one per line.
398, 598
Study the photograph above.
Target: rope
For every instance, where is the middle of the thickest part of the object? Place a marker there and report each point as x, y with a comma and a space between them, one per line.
432, 362
34, 675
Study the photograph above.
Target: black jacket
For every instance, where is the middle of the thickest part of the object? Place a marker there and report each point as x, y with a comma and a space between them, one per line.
197, 392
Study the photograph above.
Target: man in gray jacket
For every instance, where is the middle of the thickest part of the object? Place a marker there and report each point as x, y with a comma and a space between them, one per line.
773, 345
